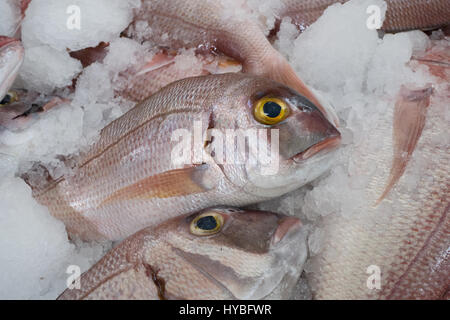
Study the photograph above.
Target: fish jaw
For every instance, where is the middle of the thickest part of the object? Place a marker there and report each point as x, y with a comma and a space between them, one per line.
11, 58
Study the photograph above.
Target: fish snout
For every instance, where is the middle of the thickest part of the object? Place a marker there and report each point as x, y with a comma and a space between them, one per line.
319, 134
289, 229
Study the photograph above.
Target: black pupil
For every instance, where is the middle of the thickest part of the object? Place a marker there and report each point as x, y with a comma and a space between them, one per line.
272, 109
207, 223
6, 99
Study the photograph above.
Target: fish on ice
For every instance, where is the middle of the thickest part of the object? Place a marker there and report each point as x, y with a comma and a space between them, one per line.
130, 177
217, 253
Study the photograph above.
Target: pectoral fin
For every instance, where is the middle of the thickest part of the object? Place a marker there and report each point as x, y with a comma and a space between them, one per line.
409, 120
172, 183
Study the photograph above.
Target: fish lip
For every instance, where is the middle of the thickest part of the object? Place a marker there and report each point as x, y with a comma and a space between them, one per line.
287, 228
328, 144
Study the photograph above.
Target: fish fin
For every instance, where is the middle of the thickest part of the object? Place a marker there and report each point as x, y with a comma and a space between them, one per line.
223, 65
158, 61
172, 183
39, 179
409, 120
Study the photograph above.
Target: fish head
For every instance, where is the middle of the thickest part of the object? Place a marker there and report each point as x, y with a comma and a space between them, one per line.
11, 58
19, 108
289, 140
242, 254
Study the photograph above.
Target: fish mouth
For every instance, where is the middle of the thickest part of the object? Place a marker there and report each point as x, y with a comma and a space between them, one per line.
287, 227
326, 145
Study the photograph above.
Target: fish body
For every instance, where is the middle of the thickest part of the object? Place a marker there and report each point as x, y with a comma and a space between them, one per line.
132, 177
401, 15
397, 245
252, 253
218, 25
164, 69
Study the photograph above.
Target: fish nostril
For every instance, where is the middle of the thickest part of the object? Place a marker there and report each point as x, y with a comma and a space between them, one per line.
286, 226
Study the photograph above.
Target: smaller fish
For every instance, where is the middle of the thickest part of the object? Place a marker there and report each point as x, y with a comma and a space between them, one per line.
218, 253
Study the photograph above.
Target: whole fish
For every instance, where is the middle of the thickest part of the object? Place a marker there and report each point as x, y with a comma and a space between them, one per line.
132, 178
397, 245
218, 253
401, 15
218, 25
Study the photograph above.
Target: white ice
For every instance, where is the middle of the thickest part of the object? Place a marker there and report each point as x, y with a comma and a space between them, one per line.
75, 24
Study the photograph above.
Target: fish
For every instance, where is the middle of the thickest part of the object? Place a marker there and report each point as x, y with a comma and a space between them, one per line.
216, 25
156, 70
165, 68
397, 245
11, 59
401, 15
18, 106
217, 253
134, 176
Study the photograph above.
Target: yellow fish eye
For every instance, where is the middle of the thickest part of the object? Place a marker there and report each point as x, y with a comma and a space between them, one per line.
270, 110
206, 224
10, 97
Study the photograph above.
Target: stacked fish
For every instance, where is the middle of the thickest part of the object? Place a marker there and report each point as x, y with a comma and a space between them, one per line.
185, 236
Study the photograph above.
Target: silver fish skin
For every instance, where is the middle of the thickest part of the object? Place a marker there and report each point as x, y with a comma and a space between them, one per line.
251, 254
11, 58
129, 180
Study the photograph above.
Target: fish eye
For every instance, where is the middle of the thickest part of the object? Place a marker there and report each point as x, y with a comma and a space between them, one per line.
270, 110
206, 224
10, 97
